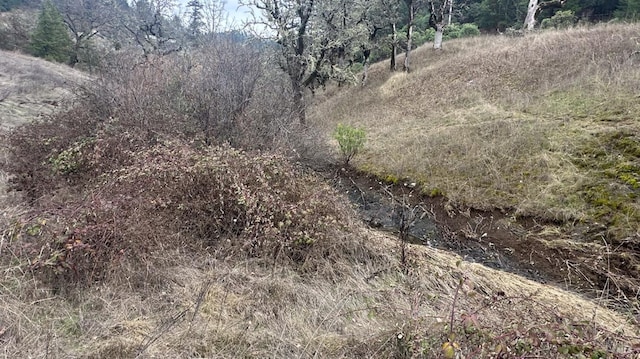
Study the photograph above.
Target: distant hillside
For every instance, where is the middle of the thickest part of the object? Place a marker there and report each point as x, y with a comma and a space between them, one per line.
30, 87
546, 125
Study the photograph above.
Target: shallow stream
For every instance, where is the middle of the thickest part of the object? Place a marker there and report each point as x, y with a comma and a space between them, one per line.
379, 204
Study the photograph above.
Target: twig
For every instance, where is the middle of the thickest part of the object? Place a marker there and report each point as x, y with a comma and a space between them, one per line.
364, 203
164, 328
199, 299
453, 305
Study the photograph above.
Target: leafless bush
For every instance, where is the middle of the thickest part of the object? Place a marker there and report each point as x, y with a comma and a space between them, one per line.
171, 196
15, 29
148, 161
225, 91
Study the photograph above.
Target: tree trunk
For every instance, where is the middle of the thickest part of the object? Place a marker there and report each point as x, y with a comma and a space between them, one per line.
298, 102
530, 20
73, 56
450, 11
394, 47
365, 66
437, 41
407, 63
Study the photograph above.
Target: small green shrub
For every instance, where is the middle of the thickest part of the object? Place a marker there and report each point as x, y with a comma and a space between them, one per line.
561, 20
468, 30
452, 32
351, 141
429, 34
69, 160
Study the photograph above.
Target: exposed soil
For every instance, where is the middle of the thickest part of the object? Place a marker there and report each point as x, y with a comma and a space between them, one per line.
542, 251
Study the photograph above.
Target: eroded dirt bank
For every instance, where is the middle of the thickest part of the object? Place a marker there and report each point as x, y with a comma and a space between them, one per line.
550, 253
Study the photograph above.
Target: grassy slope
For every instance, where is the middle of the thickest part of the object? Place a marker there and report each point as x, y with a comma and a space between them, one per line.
546, 124
221, 309
30, 87
355, 306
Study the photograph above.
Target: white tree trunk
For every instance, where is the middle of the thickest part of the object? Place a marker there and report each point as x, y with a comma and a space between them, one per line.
450, 11
407, 62
530, 20
437, 42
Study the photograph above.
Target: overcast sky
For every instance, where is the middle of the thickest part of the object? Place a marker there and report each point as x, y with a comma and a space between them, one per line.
237, 15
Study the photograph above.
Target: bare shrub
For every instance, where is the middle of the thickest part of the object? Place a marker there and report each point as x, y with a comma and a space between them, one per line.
170, 196
66, 150
224, 91
15, 28
146, 162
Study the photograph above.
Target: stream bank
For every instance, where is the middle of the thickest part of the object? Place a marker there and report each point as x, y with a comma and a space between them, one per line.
497, 239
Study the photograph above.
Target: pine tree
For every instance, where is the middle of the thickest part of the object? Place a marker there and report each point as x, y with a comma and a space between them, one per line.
196, 23
51, 39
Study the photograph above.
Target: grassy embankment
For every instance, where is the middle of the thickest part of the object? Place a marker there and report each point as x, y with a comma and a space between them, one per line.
543, 126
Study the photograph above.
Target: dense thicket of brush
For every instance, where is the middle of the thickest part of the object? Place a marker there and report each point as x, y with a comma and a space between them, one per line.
141, 164
204, 97
170, 197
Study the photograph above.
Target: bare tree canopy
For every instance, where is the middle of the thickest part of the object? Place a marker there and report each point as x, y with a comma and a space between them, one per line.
316, 40
86, 19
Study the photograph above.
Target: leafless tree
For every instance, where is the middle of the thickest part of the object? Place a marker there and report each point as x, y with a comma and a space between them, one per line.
150, 26
534, 8
215, 17
314, 38
86, 19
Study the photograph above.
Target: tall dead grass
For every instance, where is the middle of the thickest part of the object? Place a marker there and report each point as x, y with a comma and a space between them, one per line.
205, 307
30, 87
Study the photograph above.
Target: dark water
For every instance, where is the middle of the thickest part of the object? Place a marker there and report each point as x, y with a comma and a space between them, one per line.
379, 206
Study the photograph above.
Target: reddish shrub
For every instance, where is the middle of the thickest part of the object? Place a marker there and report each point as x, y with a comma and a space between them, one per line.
221, 199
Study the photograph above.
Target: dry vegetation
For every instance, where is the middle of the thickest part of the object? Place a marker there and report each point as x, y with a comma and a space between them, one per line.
136, 233
500, 122
543, 126
30, 87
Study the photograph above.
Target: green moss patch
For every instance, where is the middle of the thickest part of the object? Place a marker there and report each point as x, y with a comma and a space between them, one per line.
613, 159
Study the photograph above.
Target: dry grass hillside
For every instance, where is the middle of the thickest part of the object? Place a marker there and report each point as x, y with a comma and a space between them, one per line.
126, 246
546, 124
543, 127
30, 87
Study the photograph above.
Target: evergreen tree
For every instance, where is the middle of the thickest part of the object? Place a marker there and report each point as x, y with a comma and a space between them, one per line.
51, 39
196, 23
